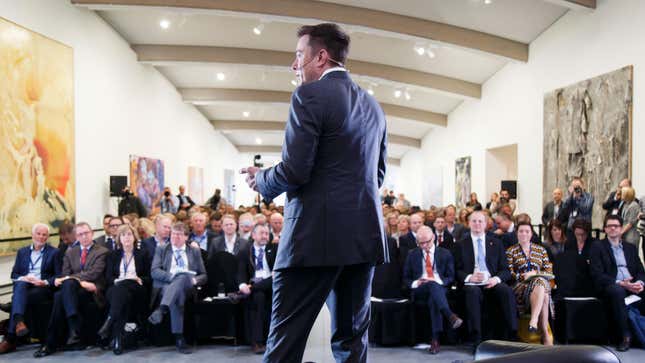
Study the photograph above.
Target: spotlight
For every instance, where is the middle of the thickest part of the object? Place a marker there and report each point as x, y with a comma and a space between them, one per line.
258, 29
370, 91
164, 24
397, 93
221, 76
246, 114
407, 95
420, 50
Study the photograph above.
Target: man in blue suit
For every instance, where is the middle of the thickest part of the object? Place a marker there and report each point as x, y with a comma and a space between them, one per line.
33, 274
333, 163
429, 271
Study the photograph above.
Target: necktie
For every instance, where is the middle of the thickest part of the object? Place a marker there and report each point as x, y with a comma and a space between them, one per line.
83, 257
179, 259
440, 238
110, 243
481, 257
429, 269
258, 264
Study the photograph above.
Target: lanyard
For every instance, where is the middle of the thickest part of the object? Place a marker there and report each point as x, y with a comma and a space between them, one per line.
528, 259
178, 258
126, 265
33, 264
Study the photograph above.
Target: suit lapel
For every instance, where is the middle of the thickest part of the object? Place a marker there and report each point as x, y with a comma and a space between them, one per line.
167, 257
489, 252
470, 252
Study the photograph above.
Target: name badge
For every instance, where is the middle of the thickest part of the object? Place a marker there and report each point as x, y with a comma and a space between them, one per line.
615, 211
575, 213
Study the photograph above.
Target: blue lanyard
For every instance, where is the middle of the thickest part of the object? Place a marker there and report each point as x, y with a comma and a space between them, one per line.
126, 265
528, 259
33, 264
178, 259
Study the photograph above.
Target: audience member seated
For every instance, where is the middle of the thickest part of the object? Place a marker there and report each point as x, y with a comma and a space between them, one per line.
402, 203
128, 281
185, 202
457, 230
617, 273
168, 203
230, 242
108, 240
67, 236
431, 215
145, 228
245, 225
402, 228
215, 224
473, 203
443, 237
408, 241
161, 236
578, 205
554, 240
505, 199
82, 280
614, 203
629, 214
106, 228
255, 280
391, 221
429, 271
482, 267
33, 275
214, 201
176, 270
276, 221
582, 240
552, 209
533, 294
463, 216
130, 203
505, 231
199, 235
492, 203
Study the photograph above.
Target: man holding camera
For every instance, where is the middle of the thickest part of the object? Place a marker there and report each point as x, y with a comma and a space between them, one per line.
131, 204
614, 203
579, 203
169, 203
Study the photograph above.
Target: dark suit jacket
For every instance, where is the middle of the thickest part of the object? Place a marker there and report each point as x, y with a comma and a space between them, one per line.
50, 263
448, 241
190, 202
149, 245
219, 244
141, 263
102, 241
246, 264
94, 269
495, 259
548, 213
603, 264
611, 204
406, 244
443, 261
458, 232
333, 164
162, 262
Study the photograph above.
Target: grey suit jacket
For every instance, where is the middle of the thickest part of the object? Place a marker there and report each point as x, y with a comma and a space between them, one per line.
219, 244
161, 263
94, 269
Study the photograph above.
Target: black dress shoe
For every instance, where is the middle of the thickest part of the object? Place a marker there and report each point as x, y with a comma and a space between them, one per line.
156, 317
532, 329
182, 347
624, 345
6, 307
43, 351
104, 332
118, 345
434, 347
73, 339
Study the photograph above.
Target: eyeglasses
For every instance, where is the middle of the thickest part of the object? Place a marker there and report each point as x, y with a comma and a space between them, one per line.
114, 225
420, 243
613, 226
83, 233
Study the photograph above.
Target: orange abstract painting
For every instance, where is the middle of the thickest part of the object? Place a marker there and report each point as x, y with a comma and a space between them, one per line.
36, 131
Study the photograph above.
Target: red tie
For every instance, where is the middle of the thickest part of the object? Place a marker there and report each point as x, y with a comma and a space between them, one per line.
440, 238
429, 266
83, 256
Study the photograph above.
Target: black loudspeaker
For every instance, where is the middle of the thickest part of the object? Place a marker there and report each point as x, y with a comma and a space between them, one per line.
117, 183
511, 186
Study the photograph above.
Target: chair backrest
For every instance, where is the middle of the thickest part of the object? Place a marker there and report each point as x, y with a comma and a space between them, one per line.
221, 269
387, 280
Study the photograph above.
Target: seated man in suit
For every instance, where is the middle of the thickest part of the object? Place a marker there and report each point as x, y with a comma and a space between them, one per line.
109, 239
185, 202
82, 279
33, 275
161, 236
429, 271
617, 272
106, 228
276, 220
443, 237
215, 224
176, 269
246, 223
505, 231
455, 229
200, 237
482, 267
408, 242
255, 279
230, 242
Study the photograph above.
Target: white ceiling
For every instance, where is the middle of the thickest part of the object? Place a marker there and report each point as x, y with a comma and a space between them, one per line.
519, 20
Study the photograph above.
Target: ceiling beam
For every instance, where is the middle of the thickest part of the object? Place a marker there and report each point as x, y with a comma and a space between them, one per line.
351, 15
576, 4
280, 126
205, 95
252, 149
394, 161
164, 54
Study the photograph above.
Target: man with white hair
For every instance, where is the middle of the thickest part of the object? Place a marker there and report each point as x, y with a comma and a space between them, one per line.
161, 236
33, 274
276, 220
246, 225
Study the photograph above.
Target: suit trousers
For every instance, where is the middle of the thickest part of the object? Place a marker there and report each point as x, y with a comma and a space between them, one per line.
125, 298
434, 295
25, 294
614, 297
298, 295
173, 296
258, 308
501, 296
66, 305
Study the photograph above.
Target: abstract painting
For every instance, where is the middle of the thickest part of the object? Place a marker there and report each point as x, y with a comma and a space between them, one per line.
36, 131
196, 184
147, 180
462, 181
587, 134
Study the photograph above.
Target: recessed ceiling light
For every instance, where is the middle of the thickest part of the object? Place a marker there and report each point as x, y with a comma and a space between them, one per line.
397, 93
420, 50
258, 29
370, 91
407, 95
487, 2
221, 76
246, 113
430, 53
258, 141
294, 83
164, 23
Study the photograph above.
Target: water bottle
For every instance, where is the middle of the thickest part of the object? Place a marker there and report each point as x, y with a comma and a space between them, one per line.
221, 291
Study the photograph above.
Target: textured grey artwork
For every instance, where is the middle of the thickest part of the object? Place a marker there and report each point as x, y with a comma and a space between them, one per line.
462, 181
587, 133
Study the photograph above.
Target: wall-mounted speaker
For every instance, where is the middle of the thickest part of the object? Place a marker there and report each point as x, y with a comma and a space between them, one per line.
511, 186
117, 183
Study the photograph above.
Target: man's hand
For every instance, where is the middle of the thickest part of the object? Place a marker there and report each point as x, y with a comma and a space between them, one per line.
477, 277
245, 289
491, 283
194, 244
59, 281
39, 283
250, 176
88, 286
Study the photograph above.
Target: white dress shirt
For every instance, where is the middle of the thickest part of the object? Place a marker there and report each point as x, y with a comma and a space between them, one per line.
265, 272
230, 243
476, 254
173, 265
424, 274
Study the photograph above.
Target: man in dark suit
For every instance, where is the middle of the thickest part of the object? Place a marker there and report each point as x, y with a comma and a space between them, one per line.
429, 271
230, 241
333, 164
82, 279
482, 269
254, 277
457, 230
200, 237
185, 202
176, 270
161, 236
552, 209
617, 272
443, 237
33, 275
106, 228
408, 242
109, 239
614, 204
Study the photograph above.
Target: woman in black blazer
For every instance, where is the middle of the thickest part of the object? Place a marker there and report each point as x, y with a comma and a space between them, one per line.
128, 285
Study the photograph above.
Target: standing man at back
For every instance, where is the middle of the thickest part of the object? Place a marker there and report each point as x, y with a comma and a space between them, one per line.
333, 164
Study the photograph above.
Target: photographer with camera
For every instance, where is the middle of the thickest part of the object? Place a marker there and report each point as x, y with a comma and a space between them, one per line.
578, 205
169, 203
131, 204
614, 203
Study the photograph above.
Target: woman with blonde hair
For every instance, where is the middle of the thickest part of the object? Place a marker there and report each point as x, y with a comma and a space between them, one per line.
629, 214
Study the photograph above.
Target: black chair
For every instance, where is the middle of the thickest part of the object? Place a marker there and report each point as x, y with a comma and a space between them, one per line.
503, 351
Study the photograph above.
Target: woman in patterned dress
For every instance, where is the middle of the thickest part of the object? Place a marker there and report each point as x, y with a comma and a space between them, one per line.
526, 259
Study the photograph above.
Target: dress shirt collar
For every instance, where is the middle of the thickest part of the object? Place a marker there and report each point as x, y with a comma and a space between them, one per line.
475, 237
175, 249
333, 69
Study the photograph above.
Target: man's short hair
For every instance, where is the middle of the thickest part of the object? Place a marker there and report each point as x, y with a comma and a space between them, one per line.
582, 224
39, 225
106, 216
505, 216
119, 218
612, 217
181, 227
327, 36
216, 216
255, 228
471, 215
66, 227
83, 224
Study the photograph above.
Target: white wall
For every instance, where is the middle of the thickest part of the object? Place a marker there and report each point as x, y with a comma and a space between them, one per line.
501, 164
579, 46
122, 108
